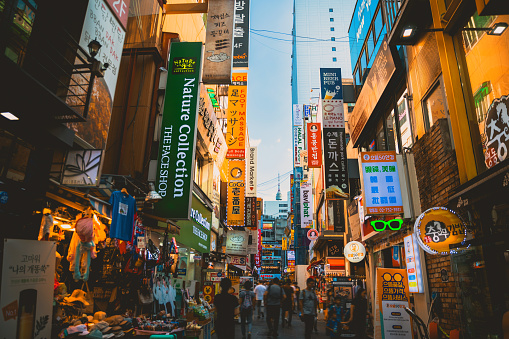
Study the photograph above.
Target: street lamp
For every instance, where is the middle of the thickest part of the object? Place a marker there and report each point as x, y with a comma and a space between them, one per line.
93, 47
497, 29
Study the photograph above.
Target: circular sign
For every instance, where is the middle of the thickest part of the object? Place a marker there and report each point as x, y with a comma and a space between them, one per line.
495, 126
207, 290
354, 251
236, 172
208, 298
437, 228
312, 234
219, 274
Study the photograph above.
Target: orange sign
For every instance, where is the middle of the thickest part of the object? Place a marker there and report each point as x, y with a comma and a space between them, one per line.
236, 118
236, 192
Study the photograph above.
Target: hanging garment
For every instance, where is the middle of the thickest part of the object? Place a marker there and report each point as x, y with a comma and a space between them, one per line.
46, 225
122, 216
83, 248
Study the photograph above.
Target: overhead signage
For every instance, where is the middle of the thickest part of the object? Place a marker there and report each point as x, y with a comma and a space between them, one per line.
28, 277
413, 264
237, 260
218, 59
376, 82
298, 144
251, 172
241, 35
306, 205
392, 294
236, 242
297, 115
236, 122
382, 192
307, 111
177, 143
121, 10
354, 251
236, 193
333, 114
314, 135
251, 214
330, 80
312, 234
438, 228
195, 232
82, 168
336, 163
495, 129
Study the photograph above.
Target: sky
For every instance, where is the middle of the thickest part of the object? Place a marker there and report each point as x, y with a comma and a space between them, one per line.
269, 95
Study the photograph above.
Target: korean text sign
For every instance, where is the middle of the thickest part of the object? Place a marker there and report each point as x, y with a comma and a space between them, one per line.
175, 166
382, 192
336, 163
236, 242
314, 145
413, 264
298, 144
251, 213
236, 192
241, 34
236, 122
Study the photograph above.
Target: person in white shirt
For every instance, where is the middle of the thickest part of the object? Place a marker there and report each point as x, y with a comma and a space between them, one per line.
259, 291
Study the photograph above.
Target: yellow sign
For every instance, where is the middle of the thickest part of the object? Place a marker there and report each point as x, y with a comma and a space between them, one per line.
207, 290
437, 228
236, 192
236, 118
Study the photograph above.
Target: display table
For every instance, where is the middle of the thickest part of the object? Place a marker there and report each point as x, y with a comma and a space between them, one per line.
145, 333
204, 333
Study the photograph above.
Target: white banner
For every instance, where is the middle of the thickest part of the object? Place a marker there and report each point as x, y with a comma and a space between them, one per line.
28, 276
251, 172
333, 114
306, 205
297, 115
298, 144
236, 242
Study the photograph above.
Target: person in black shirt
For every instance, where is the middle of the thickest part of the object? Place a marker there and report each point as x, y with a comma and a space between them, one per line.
227, 306
287, 304
358, 312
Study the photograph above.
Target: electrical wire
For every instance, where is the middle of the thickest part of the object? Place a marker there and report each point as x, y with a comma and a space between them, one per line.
275, 178
291, 34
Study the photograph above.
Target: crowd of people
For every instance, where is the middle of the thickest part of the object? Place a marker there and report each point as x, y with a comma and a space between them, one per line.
275, 299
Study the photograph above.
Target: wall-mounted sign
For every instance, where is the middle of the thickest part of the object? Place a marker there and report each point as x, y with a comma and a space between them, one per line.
497, 141
314, 135
298, 144
237, 106
236, 260
437, 228
330, 80
307, 111
241, 35
413, 264
195, 232
312, 234
267, 225
175, 166
251, 172
335, 248
236, 242
304, 164
354, 251
121, 10
251, 214
353, 218
82, 168
382, 192
259, 207
297, 115
252, 245
336, 163
236, 193
333, 114
217, 63
336, 216
306, 205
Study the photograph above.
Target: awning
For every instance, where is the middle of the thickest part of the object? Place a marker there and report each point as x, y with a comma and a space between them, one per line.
336, 264
315, 263
100, 206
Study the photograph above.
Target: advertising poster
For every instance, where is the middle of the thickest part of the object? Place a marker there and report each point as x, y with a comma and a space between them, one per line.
251, 172
297, 115
298, 144
236, 243
382, 192
236, 193
306, 203
330, 81
336, 163
236, 117
241, 34
251, 220
392, 294
28, 276
217, 63
314, 135
175, 166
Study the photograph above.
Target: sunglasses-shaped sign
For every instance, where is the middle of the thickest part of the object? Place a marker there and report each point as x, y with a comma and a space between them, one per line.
381, 225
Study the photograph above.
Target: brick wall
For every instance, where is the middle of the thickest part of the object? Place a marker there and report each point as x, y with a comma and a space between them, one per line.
437, 175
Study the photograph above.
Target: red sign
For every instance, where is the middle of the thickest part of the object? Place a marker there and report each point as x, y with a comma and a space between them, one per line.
258, 256
121, 10
251, 216
314, 133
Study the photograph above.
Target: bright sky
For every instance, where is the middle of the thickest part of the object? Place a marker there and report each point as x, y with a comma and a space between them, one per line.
269, 94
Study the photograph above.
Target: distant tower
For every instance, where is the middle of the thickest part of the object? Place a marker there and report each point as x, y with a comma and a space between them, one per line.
279, 196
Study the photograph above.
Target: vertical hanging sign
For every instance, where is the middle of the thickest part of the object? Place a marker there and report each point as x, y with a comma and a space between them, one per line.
251, 172
217, 64
306, 203
298, 145
241, 34
251, 218
314, 145
236, 192
297, 115
175, 167
236, 122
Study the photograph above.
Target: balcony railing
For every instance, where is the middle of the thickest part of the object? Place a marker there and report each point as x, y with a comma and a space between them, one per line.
392, 9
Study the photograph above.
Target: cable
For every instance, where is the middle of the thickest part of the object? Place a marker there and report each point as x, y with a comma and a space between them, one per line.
268, 181
291, 34
274, 49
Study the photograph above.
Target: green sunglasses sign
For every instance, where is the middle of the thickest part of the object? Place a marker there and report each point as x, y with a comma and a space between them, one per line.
381, 225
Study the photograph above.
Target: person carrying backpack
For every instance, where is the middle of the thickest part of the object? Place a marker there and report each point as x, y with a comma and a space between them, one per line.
247, 297
272, 299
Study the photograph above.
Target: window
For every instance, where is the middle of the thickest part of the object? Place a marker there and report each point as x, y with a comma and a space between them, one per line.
332, 39
332, 29
331, 10
334, 49
482, 101
334, 59
331, 19
434, 106
470, 38
283, 205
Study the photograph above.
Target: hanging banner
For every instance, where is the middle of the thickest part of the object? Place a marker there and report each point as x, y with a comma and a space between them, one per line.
298, 145
314, 135
236, 193
28, 277
177, 144
336, 163
413, 264
297, 115
252, 245
236, 243
236, 122
217, 63
330, 81
307, 111
306, 203
392, 298
382, 192
336, 216
251, 213
241, 35
333, 114
251, 172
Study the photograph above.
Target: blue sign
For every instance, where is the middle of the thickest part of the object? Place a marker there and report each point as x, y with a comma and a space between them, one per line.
307, 111
4, 197
330, 81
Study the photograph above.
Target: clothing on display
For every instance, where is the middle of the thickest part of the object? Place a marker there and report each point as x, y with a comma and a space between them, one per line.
122, 216
46, 225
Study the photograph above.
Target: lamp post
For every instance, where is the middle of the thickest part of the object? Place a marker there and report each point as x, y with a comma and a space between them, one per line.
97, 69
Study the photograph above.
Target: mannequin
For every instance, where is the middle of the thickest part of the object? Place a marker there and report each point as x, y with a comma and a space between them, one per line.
82, 248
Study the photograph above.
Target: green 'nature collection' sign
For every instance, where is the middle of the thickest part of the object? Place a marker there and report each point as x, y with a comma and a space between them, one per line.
176, 158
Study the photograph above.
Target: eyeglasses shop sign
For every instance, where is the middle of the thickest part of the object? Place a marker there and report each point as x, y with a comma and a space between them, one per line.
236, 242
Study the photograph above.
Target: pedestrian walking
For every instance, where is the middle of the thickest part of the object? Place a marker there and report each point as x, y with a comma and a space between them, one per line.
358, 312
308, 303
296, 289
259, 291
227, 306
247, 298
287, 305
273, 298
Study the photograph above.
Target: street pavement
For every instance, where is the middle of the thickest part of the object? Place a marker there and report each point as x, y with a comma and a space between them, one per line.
296, 331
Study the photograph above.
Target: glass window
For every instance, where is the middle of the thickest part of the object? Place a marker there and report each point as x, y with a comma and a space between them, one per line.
332, 39
379, 24
380, 144
390, 130
334, 59
332, 29
470, 38
434, 106
331, 10
331, 19
334, 49
22, 13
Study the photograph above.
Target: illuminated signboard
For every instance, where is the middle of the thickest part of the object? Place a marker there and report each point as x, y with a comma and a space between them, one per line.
413, 264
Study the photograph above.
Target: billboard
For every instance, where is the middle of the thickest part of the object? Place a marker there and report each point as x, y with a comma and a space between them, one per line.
236, 121
241, 35
236, 192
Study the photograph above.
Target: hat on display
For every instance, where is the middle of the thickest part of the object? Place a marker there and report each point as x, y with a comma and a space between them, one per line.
99, 316
77, 295
96, 334
61, 290
114, 320
102, 326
